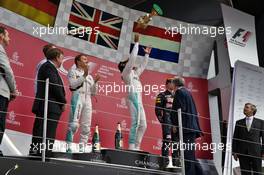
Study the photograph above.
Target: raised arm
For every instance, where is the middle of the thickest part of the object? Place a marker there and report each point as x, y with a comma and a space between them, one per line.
143, 65
133, 56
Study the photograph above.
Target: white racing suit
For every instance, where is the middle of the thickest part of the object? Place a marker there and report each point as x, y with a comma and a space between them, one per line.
130, 76
81, 105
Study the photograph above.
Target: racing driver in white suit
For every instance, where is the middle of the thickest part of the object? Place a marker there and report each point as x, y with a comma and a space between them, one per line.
83, 86
130, 75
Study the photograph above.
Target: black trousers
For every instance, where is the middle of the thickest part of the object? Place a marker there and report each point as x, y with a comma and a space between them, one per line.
3, 109
189, 153
36, 146
249, 164
169, 139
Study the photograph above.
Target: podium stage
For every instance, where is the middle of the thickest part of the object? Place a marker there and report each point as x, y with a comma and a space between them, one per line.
108, 162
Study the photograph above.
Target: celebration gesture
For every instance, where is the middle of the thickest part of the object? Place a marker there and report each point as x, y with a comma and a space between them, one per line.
147, 50
97, 78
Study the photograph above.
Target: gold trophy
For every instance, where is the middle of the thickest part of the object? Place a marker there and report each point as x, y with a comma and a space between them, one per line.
143, 21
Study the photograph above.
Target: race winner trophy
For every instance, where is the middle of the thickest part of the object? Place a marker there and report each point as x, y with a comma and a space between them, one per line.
143, 21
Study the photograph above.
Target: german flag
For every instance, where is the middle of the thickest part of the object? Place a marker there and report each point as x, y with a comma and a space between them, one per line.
41, 11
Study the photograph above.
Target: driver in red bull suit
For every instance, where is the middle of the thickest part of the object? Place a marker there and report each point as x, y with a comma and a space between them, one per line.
163, 108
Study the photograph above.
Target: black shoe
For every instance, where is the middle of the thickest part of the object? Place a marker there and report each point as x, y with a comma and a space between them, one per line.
176, 162
38, 154
164, 162
1, 154
34, 153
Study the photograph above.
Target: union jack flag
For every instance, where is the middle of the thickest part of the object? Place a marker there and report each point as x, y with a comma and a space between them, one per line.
104, 28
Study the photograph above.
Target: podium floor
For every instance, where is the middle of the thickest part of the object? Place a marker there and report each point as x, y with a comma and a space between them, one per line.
108, 162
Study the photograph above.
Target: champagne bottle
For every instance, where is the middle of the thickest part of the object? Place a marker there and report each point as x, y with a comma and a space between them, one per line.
96, 140
118, 137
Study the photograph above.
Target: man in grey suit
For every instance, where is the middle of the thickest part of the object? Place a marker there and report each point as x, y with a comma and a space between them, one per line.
7, 81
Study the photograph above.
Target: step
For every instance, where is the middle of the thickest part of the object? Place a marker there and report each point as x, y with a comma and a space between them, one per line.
139, 159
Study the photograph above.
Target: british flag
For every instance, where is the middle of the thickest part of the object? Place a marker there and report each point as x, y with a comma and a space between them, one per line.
104, 28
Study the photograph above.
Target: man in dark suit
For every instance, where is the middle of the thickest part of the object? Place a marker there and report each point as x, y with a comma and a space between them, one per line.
56, 104
191, 129
248, 141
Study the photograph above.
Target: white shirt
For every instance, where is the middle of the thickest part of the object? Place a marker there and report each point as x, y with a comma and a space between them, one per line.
249, 121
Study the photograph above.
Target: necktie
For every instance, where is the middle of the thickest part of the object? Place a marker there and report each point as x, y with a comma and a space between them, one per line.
248, 123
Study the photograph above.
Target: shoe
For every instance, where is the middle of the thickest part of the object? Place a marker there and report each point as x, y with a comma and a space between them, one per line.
1, 154
166, 161
132, 147
163, 163
137, 148
176, 162
34, 153
82, 147
69, 150
69, 147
